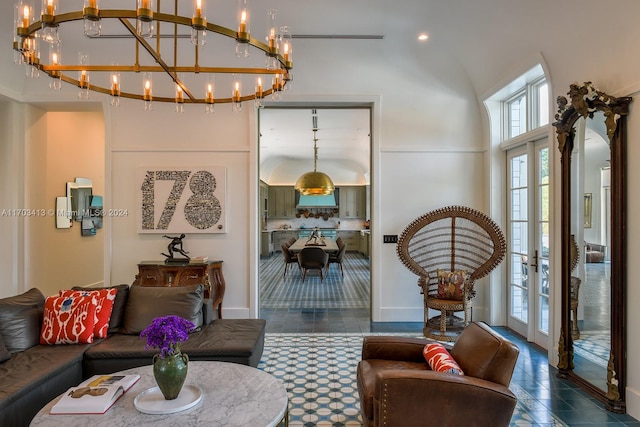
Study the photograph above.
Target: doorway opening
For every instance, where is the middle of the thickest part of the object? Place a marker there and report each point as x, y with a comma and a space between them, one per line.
342, 297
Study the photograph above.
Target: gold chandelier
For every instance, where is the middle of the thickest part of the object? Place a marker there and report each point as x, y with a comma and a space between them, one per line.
315, 183
141, 24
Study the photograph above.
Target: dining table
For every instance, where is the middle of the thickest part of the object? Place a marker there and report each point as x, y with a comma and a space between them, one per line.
327, 244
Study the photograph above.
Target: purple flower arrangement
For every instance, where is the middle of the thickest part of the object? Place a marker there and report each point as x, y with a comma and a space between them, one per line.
166, 334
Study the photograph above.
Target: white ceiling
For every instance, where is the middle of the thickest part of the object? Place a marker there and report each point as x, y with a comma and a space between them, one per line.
365, 48
286, 134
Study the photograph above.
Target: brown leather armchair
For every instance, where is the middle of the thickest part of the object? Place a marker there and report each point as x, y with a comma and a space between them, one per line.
397, 387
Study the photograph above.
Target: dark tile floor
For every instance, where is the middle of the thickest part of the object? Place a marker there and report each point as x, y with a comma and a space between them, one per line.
533, 373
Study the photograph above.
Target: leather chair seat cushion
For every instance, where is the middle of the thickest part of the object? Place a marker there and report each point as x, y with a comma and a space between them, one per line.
21, 320
225, 340
367, 378
52, 369
146, 303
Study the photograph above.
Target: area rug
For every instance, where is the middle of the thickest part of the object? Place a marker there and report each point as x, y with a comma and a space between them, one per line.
335, 291
319, 372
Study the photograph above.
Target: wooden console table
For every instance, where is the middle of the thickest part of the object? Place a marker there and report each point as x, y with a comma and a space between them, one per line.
159, 273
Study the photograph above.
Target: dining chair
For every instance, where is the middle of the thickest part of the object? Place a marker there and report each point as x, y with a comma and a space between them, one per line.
337, 258
312, 258
289, 257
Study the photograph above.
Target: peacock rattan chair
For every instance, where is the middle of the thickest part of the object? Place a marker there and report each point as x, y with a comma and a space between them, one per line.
450, 239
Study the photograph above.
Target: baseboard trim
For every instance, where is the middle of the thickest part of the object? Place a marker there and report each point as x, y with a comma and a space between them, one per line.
633, 402
400, 314
235, 313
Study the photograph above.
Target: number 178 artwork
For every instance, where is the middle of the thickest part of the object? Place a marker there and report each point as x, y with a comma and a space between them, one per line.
184, 200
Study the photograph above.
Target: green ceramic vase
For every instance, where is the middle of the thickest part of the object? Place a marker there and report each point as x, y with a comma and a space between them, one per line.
170, 373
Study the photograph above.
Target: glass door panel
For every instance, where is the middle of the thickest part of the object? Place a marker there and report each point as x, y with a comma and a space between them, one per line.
528, 241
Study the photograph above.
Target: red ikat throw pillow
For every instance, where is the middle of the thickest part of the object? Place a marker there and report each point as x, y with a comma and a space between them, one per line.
103, 299
440, 360
68, 320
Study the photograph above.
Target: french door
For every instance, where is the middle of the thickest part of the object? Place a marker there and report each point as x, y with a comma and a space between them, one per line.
528, 240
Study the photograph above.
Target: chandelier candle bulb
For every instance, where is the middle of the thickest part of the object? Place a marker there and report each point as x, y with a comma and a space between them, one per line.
243, 13
209, 97
243, 22
115, 87
25, 17
49, 7
236, 92
93, 4
272, 38
198, 8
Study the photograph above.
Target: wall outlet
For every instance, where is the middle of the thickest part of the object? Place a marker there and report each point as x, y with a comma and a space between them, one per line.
390, 238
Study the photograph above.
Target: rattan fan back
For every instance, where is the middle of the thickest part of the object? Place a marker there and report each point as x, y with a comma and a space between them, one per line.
451, 238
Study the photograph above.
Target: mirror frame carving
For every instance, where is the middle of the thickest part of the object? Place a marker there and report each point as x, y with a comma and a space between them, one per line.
583, 101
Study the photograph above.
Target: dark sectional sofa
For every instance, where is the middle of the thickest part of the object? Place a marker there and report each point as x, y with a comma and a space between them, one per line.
32, 374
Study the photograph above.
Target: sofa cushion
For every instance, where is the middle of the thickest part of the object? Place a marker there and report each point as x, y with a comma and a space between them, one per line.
146, 303
224, 340
104, 305
68, 320
119, 304
33, 377
439, 359
4, 353
20, 320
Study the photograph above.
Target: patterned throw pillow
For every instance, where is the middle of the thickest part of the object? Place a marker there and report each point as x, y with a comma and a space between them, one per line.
68, 320
103, 299
440, 360
451, 284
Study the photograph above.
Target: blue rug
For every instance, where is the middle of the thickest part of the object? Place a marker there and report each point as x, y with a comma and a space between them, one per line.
319, 372
335, 291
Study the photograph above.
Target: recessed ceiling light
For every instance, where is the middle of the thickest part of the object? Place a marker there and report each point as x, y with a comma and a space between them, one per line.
423, 37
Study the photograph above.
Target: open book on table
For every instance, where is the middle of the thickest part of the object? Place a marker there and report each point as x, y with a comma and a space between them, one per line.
95, 395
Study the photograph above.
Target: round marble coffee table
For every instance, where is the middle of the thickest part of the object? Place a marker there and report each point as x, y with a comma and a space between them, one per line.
232, 395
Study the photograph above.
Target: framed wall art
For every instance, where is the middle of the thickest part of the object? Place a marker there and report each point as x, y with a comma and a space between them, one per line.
587, 210
182, 200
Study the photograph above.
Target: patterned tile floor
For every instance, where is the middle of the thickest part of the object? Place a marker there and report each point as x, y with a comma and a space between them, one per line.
314, 337
314, 353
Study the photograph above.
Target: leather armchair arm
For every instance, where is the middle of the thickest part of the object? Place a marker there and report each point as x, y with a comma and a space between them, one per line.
432, 398
393, 348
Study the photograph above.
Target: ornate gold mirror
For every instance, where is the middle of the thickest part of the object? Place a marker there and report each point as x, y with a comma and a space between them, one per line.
591, 131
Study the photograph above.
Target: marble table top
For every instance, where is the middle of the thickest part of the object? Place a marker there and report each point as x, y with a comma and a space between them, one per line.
234, 395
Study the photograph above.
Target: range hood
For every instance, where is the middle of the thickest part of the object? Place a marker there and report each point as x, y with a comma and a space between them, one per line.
328, 201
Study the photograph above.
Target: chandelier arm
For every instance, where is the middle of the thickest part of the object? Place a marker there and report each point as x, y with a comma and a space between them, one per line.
156, 56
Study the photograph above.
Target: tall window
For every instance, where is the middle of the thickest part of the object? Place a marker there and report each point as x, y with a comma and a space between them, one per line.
523, 109
526, 109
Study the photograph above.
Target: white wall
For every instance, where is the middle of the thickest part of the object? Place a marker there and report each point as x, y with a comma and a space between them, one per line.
10, 183
163, 138
60, 146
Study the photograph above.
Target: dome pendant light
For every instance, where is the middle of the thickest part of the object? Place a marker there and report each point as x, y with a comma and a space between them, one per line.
315, 183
